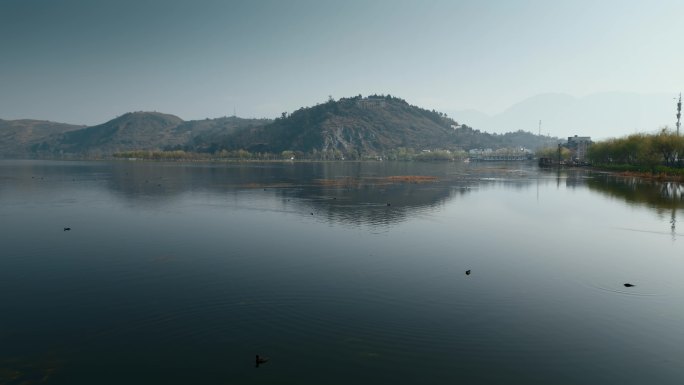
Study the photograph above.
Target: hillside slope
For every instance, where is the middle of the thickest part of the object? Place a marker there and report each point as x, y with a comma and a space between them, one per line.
353, 128
369, 126
203, 135
18, 136
362, 125
139, 131
134, 130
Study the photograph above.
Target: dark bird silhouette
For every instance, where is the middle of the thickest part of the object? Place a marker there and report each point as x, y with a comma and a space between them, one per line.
67, 229
311, 213
261, 360
629, 285
388, 204
467, 272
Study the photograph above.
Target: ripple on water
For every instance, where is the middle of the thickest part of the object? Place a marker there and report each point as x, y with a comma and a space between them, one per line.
638, 290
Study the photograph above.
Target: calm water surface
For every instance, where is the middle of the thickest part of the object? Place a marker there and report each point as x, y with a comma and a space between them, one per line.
181, 273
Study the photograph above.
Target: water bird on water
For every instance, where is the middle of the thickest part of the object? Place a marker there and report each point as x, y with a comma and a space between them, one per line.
67, 229
467, 272
261, 360
629, 285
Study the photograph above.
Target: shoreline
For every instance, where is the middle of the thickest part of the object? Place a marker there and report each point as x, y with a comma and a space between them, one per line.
657, 173
659, 177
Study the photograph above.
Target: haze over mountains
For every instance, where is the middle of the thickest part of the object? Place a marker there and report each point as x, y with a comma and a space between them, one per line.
597, 115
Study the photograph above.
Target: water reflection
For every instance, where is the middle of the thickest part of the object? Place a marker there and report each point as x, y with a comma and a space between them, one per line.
355, 193
666, 198
27, 371
375, 193
569, 178
327, 187
197, 267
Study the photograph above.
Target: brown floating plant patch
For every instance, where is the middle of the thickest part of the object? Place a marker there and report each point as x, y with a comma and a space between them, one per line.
349, 182
661, 177
411, 179
338, 182
25, 373
267, 185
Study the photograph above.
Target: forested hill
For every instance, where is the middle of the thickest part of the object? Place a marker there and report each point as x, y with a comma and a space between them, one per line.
352, 128
349, 125
134, 129
18, 136
149, 131
361, 126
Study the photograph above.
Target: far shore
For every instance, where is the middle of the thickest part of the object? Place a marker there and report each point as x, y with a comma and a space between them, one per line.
660, 177
664, 175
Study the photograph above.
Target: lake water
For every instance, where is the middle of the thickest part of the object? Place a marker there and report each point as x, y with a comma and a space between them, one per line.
181, 273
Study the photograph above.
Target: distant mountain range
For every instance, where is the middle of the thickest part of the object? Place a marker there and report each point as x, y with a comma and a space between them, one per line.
602, 115
354, 127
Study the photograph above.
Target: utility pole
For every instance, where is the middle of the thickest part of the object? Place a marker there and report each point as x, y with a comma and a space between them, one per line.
679, 111
540, 128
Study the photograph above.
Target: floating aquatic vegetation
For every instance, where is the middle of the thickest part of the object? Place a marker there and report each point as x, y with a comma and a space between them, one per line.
411, 179
346, 182
17, 372
349, 182
267, 185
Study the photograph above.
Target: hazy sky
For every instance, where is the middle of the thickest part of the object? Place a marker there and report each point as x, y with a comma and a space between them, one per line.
87, 61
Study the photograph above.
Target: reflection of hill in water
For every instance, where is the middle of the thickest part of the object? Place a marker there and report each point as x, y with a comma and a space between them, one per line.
348, 192
356, 193
372, 201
